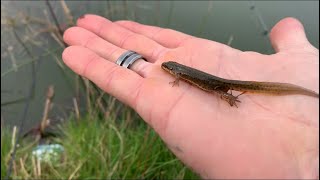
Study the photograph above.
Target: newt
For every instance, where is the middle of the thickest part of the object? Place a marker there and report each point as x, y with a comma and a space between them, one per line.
211, 83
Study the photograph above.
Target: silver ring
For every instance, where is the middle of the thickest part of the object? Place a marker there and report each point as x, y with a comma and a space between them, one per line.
131, 59
123, 57
128, 58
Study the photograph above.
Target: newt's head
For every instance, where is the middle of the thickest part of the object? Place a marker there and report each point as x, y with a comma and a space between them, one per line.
171, 66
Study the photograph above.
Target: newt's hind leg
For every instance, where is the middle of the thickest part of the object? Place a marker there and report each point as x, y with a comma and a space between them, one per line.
231, 99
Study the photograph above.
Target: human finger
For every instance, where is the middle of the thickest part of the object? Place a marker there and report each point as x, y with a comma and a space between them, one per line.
288, 34
122, 37
166, 37
78, 36
122, 83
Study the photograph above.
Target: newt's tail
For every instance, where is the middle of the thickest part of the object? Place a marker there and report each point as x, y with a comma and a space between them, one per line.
273, 88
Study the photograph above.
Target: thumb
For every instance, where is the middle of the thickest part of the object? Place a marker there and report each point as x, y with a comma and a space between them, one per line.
288, 34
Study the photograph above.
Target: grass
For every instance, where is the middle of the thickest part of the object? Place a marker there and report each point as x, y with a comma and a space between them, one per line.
98, 148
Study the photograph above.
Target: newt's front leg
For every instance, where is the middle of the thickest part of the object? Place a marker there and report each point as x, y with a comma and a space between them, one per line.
176, 81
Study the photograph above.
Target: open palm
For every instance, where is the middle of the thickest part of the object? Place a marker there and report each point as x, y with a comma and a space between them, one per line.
267, 136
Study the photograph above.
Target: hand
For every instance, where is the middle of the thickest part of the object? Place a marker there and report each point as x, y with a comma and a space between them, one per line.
266, 137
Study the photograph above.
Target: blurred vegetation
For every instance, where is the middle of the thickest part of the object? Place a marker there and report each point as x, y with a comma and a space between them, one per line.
97, 148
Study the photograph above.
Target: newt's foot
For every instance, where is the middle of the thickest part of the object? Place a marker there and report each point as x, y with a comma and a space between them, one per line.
231, 99
175, 82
